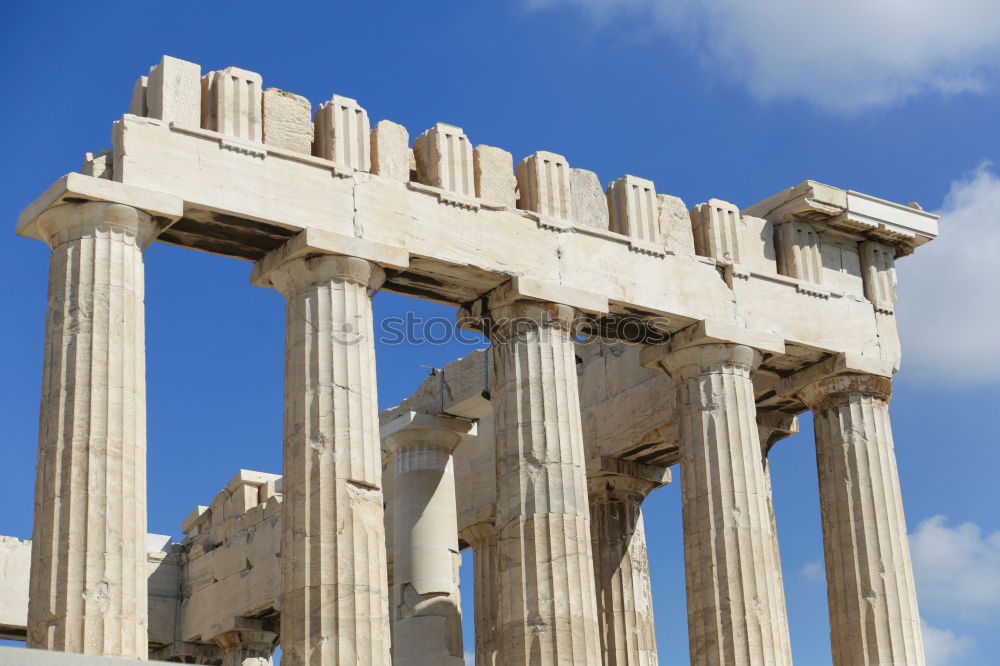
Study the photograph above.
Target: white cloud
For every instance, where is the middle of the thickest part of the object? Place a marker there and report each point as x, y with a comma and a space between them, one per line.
949, 306
470, 659
957, 569
942, 646
843, 55
812, 570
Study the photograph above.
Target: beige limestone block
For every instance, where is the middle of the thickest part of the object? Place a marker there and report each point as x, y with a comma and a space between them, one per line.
718, 231
759, 251
869, 575
15, 565
334, 597
494, 173
482, 537
675, 224
173, 92
427, 611
543, 184
633, 208
137, 106
798, 250
732, 587
548, 607
621, 562
98, 165
231, 103
341, 133
879, 274
287, 121
588, 201
444, 159
88, 578
390, 151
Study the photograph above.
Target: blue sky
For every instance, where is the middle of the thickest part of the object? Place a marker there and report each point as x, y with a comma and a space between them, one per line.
730, 99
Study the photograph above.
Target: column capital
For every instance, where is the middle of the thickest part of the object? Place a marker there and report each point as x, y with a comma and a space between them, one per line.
840, 389
76, 188
773, 426
249, 643
717, 337
691, 361
311, 244
294, 275
529, 302
615, 477
71, 221
480, 534
442, 432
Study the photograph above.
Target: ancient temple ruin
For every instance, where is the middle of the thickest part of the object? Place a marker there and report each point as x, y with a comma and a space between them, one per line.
706, 331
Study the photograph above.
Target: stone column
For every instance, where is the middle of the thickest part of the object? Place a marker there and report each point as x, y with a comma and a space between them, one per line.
88, 561
247, 646
427, 617
334, 608
621, 563
772, 427
869, 575
548, 606
483, 539
733, 590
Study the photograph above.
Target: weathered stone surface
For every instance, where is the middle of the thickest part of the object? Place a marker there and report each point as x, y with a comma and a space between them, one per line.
173, 92
444, 159
466, 251
390, 151
548, 608
621, 562
92, 600
15, 563
718, 231
341, 133
675, 224
231, 103
287, 121
879, 273
335, 607
427, 611
873, 602
99, 165
137, 106
233, 554
589, 203
759, 252
543, 185
482, 537
633, 207
247, 644
799, 251
732, 582
494, 173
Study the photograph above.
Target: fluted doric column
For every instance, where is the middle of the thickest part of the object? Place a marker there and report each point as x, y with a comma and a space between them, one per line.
621, 562
334, 607
427, 612
548, 607
88, 559
733, 590
869, 575
247, 646
482, 537
772, 427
